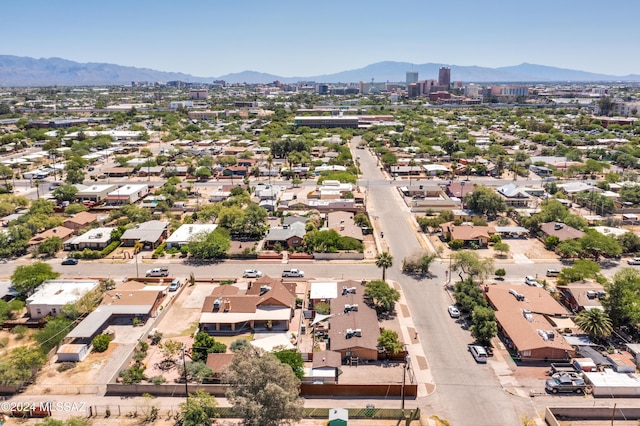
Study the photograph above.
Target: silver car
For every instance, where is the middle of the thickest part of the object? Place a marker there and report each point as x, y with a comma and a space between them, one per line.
251, 273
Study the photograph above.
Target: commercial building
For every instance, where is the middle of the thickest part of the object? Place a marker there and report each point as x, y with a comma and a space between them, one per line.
412, 77
444, 77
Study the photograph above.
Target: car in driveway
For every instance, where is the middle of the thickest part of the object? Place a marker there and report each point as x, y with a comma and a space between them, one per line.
175, 285
453, 312
70, 261
251, 273
634, 261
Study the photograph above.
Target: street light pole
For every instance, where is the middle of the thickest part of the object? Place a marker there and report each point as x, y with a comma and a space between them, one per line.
184, 367
404, 378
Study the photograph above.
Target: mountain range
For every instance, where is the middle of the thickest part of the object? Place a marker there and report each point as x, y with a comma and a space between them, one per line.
24, 71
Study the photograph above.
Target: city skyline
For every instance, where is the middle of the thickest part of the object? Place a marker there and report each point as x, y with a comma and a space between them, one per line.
290, 39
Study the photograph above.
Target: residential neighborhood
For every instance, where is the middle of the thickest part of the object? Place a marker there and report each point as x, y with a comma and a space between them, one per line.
368, 238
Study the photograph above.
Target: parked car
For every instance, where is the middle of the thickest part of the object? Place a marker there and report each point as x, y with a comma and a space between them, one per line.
251, 273
70, 261
531, 281
175, 285
553, 272
292, 273
91, 168
634, 261
565, 383
479, 353
157, 272
453, 312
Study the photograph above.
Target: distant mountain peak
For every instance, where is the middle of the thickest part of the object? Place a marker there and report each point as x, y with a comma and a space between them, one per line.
26, 71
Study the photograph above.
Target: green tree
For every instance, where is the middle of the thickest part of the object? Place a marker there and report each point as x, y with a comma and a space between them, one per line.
75, 208
199, 409
485, 201
388, 340
210, 245
384, 261
418, 264
595, 322
170, 349
468, 295
596, 244
551, 242
53, 333
26, 278
65, 193
50, 246
292, 358
197, 371
262, 390
383, 296
502, 248
203, 345
203, 173
101, 342
622, 302
470, 263
484, 326
581, 269
629, 242
26, 361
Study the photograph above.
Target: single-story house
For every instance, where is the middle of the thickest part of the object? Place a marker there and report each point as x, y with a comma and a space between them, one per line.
127, 194
560, 230
342, 222
119, 172
95, 193
80, 221
353, 328
186, 232
287, 236
267, 304
525, 317
61, 232
467, 233
52, 295
582, 295
150, 234
95, 239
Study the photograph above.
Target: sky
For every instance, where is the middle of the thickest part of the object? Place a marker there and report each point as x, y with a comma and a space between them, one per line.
211, 38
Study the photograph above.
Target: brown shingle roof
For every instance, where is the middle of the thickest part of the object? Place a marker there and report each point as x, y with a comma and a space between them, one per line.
82, 218
218, 362
327, 359
59, 231
564, 233
525, 333
364, 319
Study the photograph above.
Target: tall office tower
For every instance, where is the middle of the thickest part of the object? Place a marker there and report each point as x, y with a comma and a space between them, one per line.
412, 77
444, 77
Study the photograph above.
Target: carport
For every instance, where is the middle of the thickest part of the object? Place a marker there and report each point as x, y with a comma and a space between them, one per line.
512, 232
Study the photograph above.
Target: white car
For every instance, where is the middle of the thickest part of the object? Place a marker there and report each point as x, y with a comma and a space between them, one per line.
453, 312
529, 280
251, 273
634, 261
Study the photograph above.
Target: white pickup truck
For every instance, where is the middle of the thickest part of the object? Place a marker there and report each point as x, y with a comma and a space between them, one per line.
292, 273
157, 272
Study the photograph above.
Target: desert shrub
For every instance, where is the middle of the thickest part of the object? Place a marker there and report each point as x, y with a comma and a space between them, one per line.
101, 343
64, 366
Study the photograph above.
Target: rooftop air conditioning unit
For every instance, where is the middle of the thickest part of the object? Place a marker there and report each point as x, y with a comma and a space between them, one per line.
357, 332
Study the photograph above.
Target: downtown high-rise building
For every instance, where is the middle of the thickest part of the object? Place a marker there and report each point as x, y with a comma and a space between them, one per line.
444, 77
412, 77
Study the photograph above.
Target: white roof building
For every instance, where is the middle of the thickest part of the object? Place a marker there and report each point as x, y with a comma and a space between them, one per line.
323, 290
52, 295
95, 192
183, 235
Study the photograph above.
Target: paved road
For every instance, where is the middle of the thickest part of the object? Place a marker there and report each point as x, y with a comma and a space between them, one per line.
466, 393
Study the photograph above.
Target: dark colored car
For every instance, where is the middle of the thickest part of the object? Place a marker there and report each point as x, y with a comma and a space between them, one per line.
70, 261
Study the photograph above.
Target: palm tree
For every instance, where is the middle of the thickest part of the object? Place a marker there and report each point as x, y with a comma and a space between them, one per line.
595, 322
384, 260
412, 164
